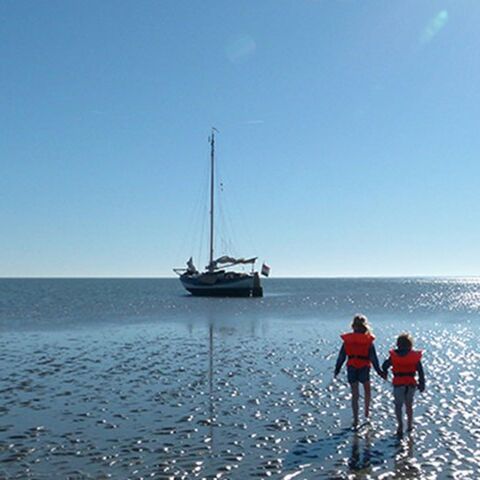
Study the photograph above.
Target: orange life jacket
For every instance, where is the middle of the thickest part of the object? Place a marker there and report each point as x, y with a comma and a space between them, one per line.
357, 348
405, 367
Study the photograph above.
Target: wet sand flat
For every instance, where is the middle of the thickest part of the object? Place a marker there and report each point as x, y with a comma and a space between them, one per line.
209, 395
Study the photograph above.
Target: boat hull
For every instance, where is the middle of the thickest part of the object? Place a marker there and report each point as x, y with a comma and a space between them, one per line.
206, 285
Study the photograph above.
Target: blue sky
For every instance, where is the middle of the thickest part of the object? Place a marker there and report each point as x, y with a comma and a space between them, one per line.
348, 141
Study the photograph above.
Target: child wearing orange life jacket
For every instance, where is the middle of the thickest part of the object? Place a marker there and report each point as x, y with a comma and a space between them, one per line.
358, 347
405, 363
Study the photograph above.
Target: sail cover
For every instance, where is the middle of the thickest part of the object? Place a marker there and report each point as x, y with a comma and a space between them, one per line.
225, 259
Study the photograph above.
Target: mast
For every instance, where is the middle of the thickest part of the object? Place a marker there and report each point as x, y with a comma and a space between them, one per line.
212, 193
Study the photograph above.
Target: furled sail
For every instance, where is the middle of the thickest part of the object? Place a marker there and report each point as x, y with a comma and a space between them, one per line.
225, 260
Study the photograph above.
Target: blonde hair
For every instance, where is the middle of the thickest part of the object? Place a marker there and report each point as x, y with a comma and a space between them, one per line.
360, 324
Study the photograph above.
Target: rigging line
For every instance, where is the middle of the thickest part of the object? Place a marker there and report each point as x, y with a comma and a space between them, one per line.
192, 220
199, 209
187, 232
194, 231
245, 225
190, 239
228, 237
202, 237
230, 224
226, 244
225, 219
204, 211
221, 232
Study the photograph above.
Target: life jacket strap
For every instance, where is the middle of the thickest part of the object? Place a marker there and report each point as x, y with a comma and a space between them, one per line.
360, 357
404, 374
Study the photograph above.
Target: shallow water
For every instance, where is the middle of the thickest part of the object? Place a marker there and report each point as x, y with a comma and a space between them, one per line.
133, 379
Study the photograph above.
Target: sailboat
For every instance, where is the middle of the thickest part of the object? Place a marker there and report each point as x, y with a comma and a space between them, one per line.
218, 279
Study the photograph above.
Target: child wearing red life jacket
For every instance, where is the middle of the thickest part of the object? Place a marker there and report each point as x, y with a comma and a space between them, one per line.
405, 363
358, 347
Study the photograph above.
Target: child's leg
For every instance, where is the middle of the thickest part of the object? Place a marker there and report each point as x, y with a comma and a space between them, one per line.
398, 414
352, 374
355, 395
409, 406
399, 398
364, 378
368, 396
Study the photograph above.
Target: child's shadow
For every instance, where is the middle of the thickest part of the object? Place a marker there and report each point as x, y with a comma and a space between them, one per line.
362, 453
404, 459
401, 450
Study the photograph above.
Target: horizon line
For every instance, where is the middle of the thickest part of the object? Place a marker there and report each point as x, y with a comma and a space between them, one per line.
280, 277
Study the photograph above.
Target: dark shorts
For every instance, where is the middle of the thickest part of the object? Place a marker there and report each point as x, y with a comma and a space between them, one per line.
361, 375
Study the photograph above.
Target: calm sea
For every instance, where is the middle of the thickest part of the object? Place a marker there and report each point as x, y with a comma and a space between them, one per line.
133, 378
71, 303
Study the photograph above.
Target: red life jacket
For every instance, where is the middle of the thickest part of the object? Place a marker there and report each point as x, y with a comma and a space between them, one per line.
405, 367
357, 348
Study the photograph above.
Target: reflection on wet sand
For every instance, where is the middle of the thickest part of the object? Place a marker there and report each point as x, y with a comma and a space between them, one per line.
405, 463
360, 457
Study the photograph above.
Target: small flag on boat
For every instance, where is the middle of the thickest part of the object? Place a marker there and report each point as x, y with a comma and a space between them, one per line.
265, 270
